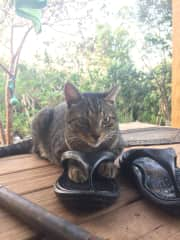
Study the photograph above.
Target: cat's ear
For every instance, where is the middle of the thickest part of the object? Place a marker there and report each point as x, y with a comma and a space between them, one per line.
72, 95
112, 94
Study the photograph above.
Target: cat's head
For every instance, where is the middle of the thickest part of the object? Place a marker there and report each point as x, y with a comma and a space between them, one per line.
91, 117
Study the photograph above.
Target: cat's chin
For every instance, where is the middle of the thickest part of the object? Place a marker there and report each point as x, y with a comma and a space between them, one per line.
97, 144
94, 145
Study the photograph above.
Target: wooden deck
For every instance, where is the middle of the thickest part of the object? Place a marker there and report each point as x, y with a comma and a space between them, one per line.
131, 217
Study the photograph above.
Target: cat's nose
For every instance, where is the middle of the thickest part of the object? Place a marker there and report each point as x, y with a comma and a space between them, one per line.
95, 136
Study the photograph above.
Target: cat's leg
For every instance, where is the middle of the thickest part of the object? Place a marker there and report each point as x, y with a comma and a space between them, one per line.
117, 148
42, 151
39, 150
78, 171
111, 169
76, 174
108, 170
40, 128
38, 147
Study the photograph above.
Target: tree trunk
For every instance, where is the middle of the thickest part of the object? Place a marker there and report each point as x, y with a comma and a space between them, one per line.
2, 135
11, 78
9, 113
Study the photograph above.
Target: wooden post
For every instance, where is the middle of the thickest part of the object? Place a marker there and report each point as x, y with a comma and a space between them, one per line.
175, 115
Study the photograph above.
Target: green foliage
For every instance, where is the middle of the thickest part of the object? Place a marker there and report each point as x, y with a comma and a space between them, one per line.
98, 64
156, 20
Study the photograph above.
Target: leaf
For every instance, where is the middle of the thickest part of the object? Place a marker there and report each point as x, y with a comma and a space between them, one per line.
31, 10
32, 14
36, 4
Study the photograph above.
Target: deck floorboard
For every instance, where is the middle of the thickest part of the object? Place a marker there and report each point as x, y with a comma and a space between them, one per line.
130, 218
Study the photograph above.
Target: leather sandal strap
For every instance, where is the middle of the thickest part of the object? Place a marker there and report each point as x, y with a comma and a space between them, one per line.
76, 157
104, 156
165, 157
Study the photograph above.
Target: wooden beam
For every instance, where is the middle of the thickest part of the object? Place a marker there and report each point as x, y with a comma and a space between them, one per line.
175, 116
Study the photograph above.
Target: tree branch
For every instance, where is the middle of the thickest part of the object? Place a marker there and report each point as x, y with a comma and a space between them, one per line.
6, 70
18, 52
11, 42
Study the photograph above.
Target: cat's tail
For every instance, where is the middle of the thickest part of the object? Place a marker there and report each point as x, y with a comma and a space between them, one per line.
17, 148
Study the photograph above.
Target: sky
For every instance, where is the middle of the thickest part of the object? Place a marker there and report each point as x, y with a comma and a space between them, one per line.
36, 44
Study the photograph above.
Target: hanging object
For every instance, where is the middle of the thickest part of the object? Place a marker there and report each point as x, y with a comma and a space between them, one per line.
11, 86
14, 101
37, 4
31, 10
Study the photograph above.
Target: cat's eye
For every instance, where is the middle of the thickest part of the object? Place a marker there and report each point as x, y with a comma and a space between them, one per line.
108, 121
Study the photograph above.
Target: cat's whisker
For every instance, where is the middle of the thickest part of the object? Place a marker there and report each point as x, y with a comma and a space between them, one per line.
72, 138
109, 137
114, 135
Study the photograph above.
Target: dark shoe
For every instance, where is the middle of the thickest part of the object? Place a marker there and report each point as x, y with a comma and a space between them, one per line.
156, 175
97, 191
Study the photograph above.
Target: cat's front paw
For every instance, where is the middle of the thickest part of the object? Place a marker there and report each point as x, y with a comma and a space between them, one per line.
76, 175
108, 170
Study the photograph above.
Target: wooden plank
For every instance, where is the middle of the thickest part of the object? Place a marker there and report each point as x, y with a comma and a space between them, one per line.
132, 222
31, 180
129, 218
140, 220
175, 65
135, 125
20, 163
10, 226
14, 230
50, 201
46, 198
151, 136
164, 231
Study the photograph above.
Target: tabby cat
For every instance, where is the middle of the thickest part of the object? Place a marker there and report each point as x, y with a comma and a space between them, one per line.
84, 122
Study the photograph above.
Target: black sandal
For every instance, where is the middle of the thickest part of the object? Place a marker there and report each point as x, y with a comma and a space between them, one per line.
97, 191
156, 175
